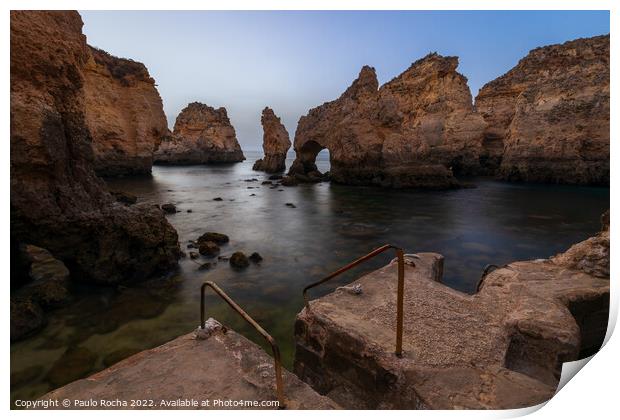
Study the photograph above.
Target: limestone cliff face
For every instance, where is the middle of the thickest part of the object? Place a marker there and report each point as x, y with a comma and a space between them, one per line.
275, 143
124, 113
548, 117
202, 134
57, 201
417, 130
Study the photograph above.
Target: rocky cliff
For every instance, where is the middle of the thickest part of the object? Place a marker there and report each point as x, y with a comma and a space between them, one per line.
202, 134
417, 130
275, 143
57, 201
548, 117
124, 114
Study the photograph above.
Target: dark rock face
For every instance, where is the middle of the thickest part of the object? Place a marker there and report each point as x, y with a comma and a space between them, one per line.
548, 117
275, 144
57, 202
202, 134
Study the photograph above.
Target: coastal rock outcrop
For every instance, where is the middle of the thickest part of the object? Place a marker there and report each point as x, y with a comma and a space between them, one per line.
124, 114
202, 134
275, 143
548, 117
418, 130
57, 201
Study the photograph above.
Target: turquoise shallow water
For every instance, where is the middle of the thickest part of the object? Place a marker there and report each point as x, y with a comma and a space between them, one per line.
495, 223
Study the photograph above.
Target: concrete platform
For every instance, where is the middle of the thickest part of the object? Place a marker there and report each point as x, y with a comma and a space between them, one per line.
501, 348
185, 372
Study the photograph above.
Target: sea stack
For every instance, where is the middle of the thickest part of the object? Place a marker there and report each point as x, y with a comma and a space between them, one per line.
276, 143
418, 130
57, 201
548, 117
124, 114
202, 134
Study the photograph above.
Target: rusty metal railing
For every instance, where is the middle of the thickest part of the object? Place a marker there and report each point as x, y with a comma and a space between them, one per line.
400, 289
274, 346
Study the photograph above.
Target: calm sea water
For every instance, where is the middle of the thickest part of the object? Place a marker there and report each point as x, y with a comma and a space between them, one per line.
495, 223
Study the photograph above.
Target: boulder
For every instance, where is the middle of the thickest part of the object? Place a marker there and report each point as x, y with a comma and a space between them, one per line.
202, 134
169, 208
218, 238
208, 248
276, 143
255, 257
239, 260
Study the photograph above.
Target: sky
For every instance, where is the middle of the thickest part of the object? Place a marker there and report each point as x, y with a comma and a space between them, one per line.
292, 61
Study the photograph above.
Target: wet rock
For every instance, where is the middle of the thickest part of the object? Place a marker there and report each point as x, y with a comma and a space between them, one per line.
255, 257
218, 238
289, 181
291, 205
275, 177
183, 254
118, 355
202, 134
266, 183
208, 248
250, 180
189, 210
27, 318
252, 195
218, 199
25, 376
125, 198
49, 278
194, 255
169, 208
238, 260
75, 363
223, 258
206, 266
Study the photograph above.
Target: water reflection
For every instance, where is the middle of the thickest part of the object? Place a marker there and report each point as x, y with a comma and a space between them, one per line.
495, 223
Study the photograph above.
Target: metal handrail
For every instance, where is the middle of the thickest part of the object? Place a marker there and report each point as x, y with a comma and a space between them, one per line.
401, 287
274, 346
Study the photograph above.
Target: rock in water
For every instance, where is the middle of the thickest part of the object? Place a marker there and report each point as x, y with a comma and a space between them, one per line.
124, 114
218, 238
202, 134
26, 318
208, 248
255, 257
548, 117
57, 201
275, 143
239, 260
169, 208
74, 364
417, 130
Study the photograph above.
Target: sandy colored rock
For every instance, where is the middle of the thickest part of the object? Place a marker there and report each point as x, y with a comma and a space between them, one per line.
57, 201
223, 366
275, 143
202, 134
501, 348
124, 114
549, 115
418, 130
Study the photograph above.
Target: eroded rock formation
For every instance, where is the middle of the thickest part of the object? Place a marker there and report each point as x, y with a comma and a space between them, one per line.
275, 143
202, 134
57, 201
124, 114
548, 117
500, 348
417, 130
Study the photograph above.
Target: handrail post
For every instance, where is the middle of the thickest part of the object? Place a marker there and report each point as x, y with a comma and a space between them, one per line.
400, 255
400, 302
274, 346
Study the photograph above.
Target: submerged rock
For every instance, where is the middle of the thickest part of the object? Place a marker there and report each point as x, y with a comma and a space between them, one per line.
218, 238
202, 134
255, 257
118, 355
275, 144
74, 364
239, 260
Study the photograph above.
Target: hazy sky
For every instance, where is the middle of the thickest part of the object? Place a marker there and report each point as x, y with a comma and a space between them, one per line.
293, 61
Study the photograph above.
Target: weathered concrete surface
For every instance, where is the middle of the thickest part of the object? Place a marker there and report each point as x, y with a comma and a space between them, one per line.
225, 366
501, 348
